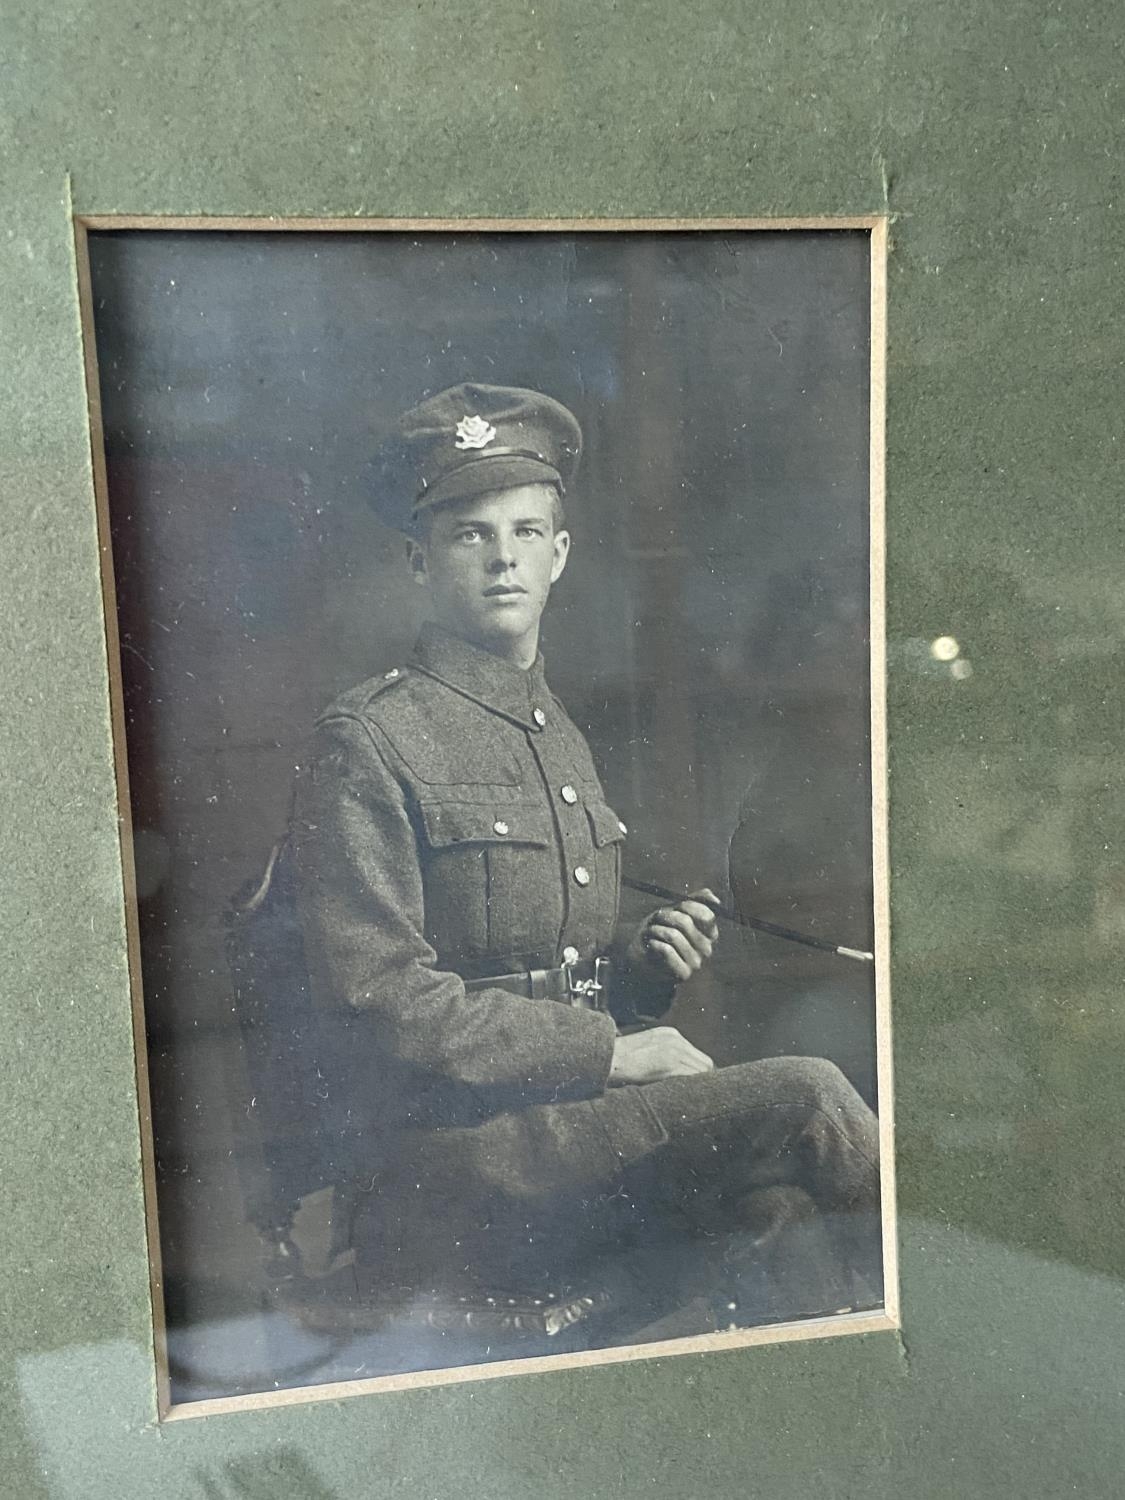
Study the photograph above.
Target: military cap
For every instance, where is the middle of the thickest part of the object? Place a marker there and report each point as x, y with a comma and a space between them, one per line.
471, 439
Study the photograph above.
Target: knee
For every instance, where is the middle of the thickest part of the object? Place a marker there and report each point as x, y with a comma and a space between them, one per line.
822, 1084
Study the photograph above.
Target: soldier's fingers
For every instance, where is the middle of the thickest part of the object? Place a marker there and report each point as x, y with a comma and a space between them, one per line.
691, 952
705, 894
676, 916
713, 904
703, 917
681, 1070
680, 921
689, 1063
678, 967
700, 1062
674, 1055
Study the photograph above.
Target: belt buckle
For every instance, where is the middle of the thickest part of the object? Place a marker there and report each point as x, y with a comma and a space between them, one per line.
585, 992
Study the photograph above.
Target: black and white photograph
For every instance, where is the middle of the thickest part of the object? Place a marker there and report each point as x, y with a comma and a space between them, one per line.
495, 621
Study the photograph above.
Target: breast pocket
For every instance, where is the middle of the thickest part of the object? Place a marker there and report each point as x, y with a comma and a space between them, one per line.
491, 880
608, 832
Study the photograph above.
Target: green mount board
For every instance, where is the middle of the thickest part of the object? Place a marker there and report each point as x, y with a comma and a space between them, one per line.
992, 136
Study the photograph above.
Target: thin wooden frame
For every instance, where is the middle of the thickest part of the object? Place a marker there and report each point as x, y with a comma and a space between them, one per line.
886, 1320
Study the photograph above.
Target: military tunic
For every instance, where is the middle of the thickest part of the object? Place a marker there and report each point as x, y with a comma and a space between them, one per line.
451, 826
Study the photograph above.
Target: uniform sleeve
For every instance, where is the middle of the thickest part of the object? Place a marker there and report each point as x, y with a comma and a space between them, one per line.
639, 996
360, 897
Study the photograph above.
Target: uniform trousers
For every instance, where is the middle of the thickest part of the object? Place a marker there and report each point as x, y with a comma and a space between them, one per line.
776, 1158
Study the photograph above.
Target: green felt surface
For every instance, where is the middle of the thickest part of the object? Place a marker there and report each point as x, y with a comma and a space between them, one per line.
992, 134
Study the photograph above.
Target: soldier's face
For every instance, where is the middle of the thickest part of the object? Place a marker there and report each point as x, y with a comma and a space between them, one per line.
489, 564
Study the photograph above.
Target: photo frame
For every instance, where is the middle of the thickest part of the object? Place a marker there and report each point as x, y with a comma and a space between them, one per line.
150, 559
989, 151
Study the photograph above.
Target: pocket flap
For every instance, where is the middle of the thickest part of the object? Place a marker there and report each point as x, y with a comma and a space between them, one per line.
448, 823
607, 826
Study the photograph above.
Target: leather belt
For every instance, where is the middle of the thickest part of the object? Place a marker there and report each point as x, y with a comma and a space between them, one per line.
583, 984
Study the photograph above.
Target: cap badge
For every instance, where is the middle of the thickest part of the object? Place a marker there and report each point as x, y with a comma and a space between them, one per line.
474, 432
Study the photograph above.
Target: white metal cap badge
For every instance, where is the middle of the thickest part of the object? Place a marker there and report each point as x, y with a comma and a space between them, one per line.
474, 432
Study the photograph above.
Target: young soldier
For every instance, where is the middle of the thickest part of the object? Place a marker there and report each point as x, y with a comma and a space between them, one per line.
457, 870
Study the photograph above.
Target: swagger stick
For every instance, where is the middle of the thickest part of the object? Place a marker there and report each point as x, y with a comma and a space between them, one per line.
826, 945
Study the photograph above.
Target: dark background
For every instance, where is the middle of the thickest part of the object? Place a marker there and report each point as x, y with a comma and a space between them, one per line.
709, 635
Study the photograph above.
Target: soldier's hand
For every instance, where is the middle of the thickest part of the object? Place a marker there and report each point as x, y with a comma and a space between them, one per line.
661, 1052
678, 940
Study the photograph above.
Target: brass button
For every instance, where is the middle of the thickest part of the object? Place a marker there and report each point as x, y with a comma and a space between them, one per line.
622, 826
568, 794
540, 717
500, 826
582, 875
570, 955
391, 675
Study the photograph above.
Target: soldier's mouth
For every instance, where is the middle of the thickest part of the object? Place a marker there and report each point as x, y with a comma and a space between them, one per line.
503, 591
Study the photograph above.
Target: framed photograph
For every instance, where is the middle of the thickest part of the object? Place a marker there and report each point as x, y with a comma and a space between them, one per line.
496, 619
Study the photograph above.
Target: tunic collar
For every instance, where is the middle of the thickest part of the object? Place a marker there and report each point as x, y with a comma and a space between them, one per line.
489, 680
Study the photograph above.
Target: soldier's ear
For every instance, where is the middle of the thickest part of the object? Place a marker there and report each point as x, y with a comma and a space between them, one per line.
416, 559
562, 552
